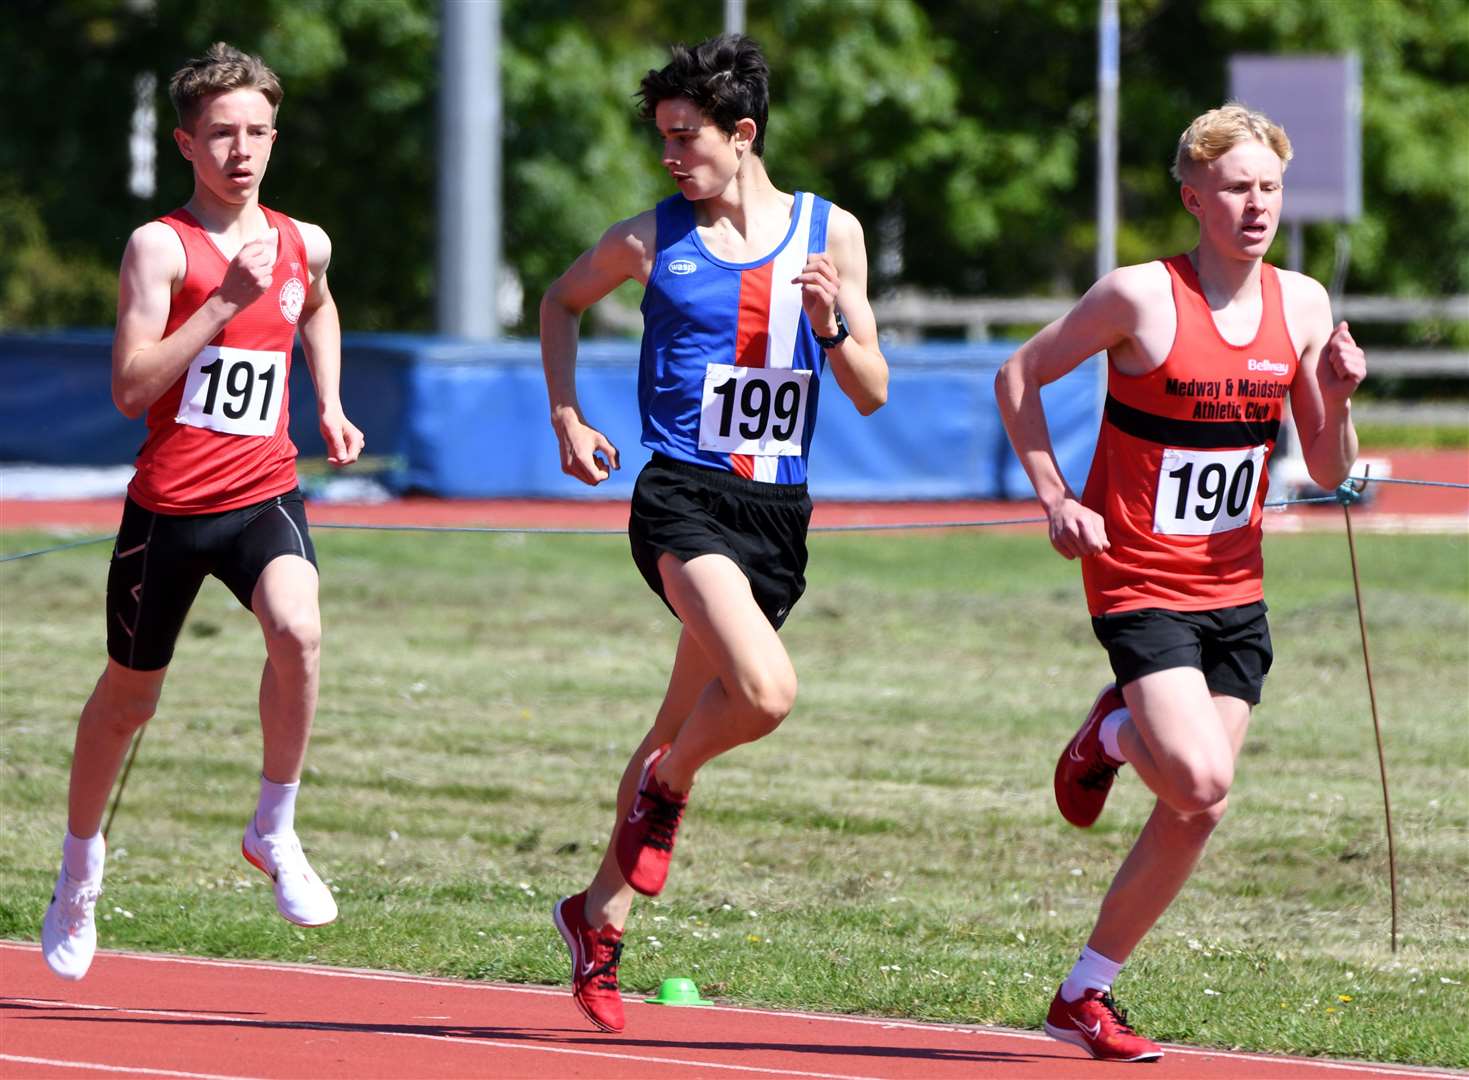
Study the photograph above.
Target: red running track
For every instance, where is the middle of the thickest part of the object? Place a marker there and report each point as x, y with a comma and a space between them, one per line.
171, 1016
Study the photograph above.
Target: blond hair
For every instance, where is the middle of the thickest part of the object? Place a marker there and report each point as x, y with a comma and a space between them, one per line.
222, 69
1214, 134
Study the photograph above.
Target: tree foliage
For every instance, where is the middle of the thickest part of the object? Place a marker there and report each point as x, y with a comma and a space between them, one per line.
961, 132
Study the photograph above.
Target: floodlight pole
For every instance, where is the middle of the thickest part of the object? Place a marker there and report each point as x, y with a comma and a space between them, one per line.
469, 229
1108, 33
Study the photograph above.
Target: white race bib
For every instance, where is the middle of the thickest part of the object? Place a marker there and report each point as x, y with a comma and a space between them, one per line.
1202, 492
237, 391
750, 410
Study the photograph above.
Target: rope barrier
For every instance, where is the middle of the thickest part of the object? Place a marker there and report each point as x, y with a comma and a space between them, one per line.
1347, 494
531, 530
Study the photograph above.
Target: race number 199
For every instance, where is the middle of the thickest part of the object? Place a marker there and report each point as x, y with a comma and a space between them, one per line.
749, 410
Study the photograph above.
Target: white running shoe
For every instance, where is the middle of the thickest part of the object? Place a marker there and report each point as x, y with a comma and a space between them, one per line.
69, 931
300, 896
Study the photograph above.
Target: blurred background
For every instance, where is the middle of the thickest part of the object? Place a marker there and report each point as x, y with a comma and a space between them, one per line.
963, 133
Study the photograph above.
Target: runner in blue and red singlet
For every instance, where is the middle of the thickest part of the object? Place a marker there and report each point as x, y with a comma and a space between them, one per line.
750, 295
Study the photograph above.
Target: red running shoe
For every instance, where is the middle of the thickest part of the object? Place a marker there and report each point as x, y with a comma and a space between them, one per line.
1085, 773
1095, 1023
645, 840
594, 958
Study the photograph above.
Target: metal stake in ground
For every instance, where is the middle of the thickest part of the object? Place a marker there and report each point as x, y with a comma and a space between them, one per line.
1347, 494
122, 781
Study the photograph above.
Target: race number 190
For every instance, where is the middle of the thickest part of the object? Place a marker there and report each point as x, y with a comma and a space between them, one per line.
1202, 492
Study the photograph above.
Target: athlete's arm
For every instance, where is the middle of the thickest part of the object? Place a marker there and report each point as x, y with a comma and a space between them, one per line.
1331, 367
144, 362
625, 253
1105, 317
321, 339
837, 280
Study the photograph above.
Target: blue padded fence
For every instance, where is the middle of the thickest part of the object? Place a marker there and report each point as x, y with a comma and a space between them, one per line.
470, 419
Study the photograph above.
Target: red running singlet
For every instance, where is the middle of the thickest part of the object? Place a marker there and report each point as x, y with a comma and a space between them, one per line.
1179, 472
217, 439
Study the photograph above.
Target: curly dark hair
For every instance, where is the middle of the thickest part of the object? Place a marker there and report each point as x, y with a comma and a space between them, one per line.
725, 76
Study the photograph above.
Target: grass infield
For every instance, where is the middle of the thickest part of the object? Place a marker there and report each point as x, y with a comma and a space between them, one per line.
892, 850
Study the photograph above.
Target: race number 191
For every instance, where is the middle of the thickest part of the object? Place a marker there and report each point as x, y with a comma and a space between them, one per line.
237, 391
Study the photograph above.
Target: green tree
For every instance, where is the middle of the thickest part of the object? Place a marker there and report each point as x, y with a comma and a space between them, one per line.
961, 132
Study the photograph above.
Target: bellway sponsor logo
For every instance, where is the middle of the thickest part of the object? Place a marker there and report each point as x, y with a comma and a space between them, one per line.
1274, 367
687, 266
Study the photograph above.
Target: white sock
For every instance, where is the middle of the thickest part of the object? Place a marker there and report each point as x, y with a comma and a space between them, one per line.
83, 857
1093, 971
276, 811
1111, 724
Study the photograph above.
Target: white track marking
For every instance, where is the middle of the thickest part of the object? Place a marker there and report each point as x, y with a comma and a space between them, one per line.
132, 1070
864, 1021
459, 1040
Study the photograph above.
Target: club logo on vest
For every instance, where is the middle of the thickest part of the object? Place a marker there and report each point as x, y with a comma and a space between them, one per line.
293, 297
682, 267
1273, 367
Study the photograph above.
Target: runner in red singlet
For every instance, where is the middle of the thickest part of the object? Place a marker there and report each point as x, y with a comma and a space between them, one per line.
1202, 350
210, 298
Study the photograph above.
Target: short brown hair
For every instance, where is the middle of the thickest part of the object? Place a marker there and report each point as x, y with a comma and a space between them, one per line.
221, 69
1215, 133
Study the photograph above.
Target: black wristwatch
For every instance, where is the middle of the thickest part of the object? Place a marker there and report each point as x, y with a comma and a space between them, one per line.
836, 339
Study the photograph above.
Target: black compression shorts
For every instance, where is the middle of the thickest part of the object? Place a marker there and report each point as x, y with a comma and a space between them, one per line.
160, 560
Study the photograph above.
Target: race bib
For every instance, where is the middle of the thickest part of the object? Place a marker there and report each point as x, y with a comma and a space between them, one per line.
236, 391
1202, 492
750, 410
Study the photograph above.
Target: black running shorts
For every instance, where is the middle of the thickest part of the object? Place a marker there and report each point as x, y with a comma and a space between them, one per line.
160, 560
1231, 646
688, 510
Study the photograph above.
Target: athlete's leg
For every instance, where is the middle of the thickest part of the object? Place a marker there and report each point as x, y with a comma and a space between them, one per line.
609, 897
122, 701
1179, 738
285, 602
1186, 742
755, 684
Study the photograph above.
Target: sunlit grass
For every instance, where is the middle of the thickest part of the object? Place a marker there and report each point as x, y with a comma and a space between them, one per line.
893, 849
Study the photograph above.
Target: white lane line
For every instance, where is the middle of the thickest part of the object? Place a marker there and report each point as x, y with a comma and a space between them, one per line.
135, 1070
861, 1021
362, 1029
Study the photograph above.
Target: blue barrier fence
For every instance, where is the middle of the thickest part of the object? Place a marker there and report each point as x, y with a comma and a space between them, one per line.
469, 419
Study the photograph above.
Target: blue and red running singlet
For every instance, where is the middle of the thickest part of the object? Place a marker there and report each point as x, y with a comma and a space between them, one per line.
730, 365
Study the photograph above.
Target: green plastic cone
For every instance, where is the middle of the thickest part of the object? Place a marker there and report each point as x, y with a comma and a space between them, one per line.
677, 992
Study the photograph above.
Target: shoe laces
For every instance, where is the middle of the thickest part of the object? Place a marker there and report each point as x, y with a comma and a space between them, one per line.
1118, 1014
75, 903
283, 853
663, 817
1098, 774
606, 971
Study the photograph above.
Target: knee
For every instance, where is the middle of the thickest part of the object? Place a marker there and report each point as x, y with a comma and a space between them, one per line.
294, 637
1203, 792
122, 709
769, 699
1199, 823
